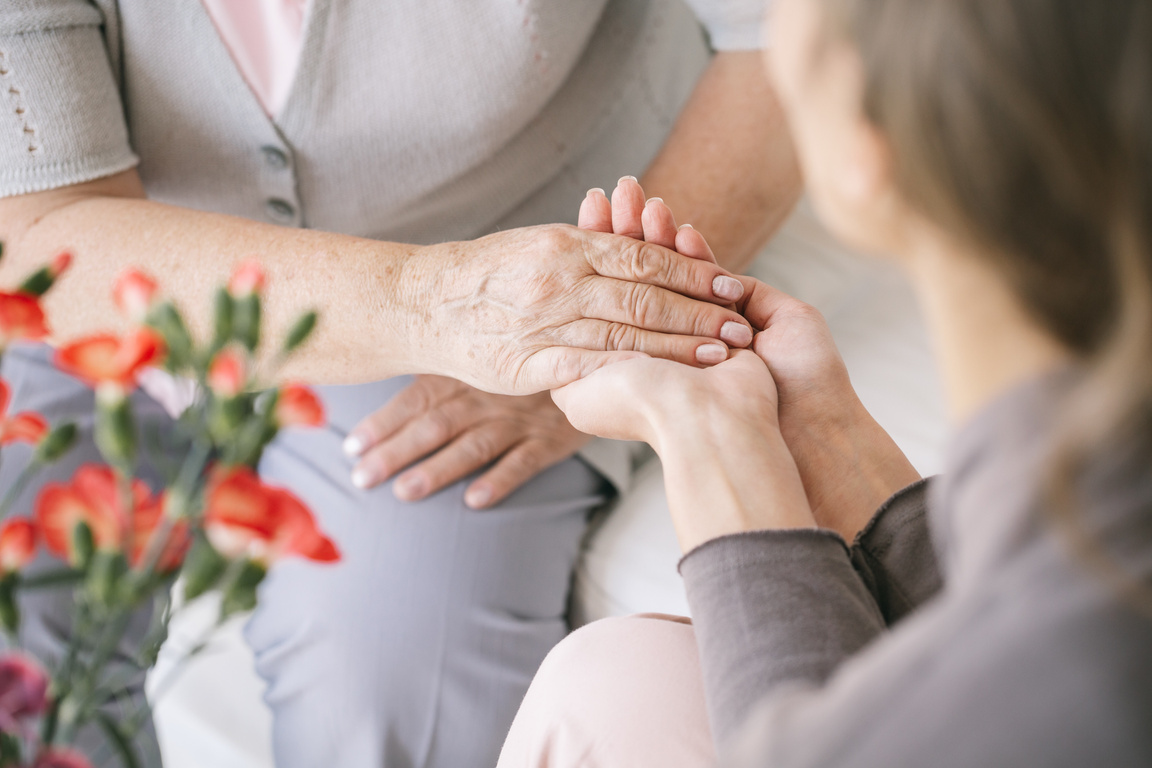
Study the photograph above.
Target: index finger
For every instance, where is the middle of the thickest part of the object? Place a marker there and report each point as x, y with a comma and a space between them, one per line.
639, 262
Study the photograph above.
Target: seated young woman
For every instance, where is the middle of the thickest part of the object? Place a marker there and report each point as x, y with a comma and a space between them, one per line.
845, 612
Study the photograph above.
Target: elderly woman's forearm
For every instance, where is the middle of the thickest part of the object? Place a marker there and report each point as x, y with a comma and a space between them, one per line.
357, 285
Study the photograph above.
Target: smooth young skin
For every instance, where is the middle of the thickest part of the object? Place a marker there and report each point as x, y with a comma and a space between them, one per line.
719, 431
732, 123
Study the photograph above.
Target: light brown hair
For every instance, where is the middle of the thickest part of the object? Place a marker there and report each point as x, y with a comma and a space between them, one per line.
1025, 127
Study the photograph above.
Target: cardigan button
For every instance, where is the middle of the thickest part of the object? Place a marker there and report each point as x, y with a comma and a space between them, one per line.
280, 210
275, 157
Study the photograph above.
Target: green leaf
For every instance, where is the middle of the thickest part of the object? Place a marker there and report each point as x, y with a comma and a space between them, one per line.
116, 431
246, 316
300, 331
166, 320
104, 574
203, 567
241, 594
59, 577
222, 324
58, 442
38, 283
83, 546
119, 740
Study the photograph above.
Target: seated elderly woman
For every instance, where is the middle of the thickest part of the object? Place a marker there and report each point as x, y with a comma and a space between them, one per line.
998, 615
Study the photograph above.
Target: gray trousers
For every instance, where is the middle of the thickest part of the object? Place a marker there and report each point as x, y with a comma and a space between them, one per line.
417, 648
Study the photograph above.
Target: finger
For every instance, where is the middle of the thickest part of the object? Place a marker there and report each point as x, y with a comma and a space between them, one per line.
762, 303
659, 223
514, 468
652, 308
596, 211
691, 243
557, 366
627, 208
699, 351
408, 404
649, 263
415, 440
471, 451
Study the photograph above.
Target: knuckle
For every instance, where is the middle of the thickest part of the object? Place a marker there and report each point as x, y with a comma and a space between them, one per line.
440, 426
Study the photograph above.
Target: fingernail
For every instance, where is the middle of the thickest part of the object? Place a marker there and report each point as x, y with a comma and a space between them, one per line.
653, 200
729, 288
711, 354
622, 178
736, 334
354, 445
409, 487
361, 478
596, 189
686, 226
478, 496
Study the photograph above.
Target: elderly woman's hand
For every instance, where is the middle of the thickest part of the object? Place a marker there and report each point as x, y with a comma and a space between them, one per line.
457, 429
531, 309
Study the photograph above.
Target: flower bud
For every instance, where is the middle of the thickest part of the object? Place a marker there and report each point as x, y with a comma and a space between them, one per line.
17, 544
300, 331
134, 293
297, 406
247, 278
115, 426
227, 375
222, 318
58, 442
83, 546
246, 321
41, 281
166, 320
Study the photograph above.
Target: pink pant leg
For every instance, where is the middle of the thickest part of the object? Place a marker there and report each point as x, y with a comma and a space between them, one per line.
619, 692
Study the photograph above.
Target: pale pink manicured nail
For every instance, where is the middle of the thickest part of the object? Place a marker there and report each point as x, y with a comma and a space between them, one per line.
478, 496
653, 200
361, 478
736, 334
410, 486
622, 178
686, 226
596, 189
354, 445
724, 287
711, 354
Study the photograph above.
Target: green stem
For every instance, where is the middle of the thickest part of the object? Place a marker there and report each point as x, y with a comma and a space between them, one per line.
18, 487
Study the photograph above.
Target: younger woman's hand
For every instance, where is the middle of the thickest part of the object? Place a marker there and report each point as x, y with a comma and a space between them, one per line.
849, 464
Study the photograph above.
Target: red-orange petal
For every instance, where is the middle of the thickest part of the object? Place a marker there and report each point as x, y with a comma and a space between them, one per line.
25, 427
298, 406
21, 318
17, 544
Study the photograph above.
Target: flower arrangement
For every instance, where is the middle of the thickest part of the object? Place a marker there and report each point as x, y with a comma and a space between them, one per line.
122, 545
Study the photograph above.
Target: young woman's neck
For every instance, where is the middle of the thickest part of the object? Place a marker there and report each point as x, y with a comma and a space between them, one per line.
985, 343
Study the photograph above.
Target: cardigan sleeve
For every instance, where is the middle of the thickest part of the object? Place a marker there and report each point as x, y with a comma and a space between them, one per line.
771, 608
61, 117
894, 554
733, 25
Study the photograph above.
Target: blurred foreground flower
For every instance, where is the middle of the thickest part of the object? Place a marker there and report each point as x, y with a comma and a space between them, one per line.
24, 427
95, 498
23, 691
244, 518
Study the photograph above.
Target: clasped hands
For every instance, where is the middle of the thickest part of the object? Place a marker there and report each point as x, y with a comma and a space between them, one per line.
780, 418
